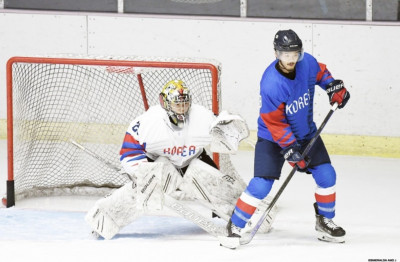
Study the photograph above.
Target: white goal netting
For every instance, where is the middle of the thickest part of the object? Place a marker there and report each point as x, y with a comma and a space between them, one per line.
91, 101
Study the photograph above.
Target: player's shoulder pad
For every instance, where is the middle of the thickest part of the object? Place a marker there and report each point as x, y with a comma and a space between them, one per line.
153, 116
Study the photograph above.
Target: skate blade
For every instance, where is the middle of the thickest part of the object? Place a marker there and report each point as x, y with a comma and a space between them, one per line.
229, 242
327, 238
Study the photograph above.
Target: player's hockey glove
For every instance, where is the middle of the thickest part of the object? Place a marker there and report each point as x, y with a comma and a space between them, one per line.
293, 156
337, 93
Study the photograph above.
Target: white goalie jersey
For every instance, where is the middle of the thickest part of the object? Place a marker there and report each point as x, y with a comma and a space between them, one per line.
159, 183
153, 135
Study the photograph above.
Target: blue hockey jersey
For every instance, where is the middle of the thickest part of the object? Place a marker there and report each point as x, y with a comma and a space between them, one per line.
286, 112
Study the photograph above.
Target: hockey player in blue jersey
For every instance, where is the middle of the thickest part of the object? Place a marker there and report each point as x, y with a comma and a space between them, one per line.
285, 126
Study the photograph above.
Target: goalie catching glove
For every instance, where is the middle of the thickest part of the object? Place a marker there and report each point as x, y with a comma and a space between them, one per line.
226, 133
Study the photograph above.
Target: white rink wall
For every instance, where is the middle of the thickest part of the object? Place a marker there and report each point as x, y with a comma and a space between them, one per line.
363, 54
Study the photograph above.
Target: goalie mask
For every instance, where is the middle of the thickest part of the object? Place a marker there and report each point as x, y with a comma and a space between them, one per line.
175, 98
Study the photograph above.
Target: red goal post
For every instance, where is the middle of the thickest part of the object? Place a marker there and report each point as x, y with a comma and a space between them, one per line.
51, 100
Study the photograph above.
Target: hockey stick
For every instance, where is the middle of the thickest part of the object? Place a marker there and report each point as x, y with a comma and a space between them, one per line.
104, 161
175, 205
195, 217
247, 238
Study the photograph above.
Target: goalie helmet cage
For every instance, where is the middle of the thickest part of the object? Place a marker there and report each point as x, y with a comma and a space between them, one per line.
52, 100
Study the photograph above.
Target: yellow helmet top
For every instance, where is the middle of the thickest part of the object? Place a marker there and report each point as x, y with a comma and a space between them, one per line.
175, 98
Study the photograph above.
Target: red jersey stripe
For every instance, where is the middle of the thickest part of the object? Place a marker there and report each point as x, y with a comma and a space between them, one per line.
276, 124
129, 138
322, 72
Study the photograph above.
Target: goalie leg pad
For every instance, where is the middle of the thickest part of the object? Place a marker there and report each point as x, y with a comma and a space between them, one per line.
209, 184
101, 223
110, 214
150, 196
171, 178
154, 180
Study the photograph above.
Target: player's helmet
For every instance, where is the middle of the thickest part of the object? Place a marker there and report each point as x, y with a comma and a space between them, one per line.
288, 41
175, 98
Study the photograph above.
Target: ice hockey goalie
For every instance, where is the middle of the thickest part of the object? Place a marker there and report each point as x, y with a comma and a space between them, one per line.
164, 150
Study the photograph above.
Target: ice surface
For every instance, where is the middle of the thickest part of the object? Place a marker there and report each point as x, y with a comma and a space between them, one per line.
368, 208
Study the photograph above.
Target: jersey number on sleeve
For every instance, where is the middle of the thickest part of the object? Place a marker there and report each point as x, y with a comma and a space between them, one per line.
135, 128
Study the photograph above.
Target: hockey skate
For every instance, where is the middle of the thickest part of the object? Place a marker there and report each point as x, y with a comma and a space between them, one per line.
232, 240
233, 230
327, 230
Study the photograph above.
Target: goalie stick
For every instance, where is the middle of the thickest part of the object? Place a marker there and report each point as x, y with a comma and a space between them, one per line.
249, 237
175, 205
104, 161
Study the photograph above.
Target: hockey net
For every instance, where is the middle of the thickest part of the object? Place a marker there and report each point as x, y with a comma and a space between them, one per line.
52, 101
